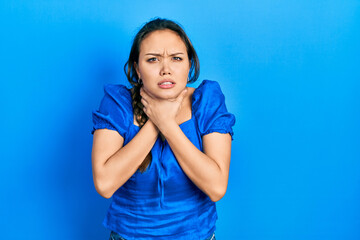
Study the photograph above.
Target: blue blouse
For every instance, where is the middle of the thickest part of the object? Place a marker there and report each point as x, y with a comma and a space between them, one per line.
162, 202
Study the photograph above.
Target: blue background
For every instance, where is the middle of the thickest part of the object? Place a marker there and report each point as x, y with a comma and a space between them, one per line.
290, 72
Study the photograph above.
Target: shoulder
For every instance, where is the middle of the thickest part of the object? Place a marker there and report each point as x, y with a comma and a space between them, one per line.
117, 94
210, 110
116, 100
115, 110
208, 85
117, 91
208, 90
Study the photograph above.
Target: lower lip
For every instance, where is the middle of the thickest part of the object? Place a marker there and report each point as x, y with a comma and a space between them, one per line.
166, 86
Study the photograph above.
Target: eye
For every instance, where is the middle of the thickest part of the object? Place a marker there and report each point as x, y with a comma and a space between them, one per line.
177, 58
153, 59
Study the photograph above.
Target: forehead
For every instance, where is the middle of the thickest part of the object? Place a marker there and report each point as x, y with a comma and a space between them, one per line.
162, 41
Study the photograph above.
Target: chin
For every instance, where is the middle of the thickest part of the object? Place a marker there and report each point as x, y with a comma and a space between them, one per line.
168, 95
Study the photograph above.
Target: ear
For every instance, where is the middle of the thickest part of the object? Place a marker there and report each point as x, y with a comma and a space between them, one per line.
137, 70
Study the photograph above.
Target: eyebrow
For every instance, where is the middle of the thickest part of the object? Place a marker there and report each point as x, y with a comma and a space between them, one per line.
158, 54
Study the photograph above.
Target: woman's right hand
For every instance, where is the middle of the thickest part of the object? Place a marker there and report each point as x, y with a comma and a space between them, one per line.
162, 112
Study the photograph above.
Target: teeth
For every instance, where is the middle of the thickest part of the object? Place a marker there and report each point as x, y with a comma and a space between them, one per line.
166, 83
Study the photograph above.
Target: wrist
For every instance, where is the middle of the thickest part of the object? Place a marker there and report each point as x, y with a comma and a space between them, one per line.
152, 126
167, 128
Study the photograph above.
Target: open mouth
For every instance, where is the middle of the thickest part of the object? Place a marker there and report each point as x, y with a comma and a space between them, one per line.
166, 84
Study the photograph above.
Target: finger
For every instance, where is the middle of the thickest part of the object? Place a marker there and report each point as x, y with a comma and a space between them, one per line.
182, 95
143, 94
144, 102
146, 111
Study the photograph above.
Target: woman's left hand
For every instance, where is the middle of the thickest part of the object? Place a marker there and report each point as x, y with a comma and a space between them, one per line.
162, 112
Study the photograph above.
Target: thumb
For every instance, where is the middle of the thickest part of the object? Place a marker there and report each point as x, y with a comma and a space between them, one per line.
181, 95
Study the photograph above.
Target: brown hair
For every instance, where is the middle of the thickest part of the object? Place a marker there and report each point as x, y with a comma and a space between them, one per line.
130, 71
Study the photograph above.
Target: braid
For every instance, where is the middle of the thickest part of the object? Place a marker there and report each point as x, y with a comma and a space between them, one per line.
141, 119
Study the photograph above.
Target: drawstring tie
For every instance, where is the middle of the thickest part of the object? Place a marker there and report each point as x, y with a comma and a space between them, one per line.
160, 171
160, 186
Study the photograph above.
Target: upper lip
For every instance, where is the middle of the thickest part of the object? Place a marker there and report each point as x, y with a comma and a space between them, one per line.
166, 80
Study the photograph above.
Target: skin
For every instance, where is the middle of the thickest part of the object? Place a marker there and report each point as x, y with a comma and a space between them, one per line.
163, 55
113, 164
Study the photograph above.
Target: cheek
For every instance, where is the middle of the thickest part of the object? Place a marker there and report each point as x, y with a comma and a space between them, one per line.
147, 73
147, 83
186, 68
182, 68
185, 72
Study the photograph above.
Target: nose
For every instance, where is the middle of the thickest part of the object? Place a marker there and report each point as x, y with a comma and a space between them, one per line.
165, 68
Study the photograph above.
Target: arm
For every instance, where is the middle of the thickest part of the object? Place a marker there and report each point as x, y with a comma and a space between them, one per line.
114, 164
208, 170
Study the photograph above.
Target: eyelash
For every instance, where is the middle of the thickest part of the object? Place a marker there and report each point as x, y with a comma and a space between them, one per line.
153, 59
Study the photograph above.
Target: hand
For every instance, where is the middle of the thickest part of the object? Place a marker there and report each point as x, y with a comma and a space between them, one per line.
161, 112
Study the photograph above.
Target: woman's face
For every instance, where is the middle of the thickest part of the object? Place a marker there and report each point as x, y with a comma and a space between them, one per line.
163, 64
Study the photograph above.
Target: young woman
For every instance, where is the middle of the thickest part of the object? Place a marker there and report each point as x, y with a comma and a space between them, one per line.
161, 149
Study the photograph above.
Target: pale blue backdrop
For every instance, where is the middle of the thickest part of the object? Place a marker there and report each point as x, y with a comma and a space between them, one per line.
290, 71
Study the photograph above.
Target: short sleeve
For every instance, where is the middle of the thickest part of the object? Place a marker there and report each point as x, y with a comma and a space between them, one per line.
210, 110
114, 111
